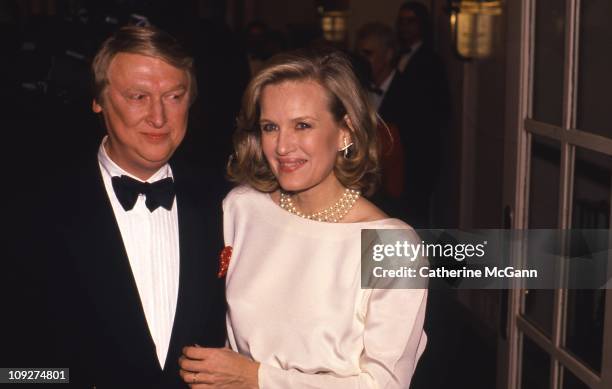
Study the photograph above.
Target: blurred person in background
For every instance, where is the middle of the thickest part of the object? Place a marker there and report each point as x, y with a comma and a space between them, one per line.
424, 113
377, 44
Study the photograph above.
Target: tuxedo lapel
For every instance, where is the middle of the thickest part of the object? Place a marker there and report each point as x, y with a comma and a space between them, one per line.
104, 270
195, 271
390, 101
100, 328
414, 62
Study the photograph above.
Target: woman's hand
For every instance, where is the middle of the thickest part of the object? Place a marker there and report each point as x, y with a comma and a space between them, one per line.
203, 367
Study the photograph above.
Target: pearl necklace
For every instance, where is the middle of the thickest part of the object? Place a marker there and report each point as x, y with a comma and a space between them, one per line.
333, 214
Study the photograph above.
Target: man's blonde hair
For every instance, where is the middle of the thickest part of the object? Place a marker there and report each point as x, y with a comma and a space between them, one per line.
148, 41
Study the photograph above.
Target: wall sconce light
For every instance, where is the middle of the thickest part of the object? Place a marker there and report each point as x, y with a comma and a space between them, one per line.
473, 27
333, 24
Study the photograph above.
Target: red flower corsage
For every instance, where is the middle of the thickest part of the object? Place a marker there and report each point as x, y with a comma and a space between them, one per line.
224, 260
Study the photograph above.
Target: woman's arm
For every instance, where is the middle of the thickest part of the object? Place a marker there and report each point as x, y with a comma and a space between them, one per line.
393, 343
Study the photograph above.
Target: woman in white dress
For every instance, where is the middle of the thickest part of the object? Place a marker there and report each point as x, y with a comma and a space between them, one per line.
305, 151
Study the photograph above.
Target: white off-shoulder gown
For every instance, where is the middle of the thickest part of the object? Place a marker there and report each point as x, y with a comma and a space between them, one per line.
295, 302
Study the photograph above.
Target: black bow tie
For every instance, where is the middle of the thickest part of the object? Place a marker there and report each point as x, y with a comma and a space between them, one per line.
157, 193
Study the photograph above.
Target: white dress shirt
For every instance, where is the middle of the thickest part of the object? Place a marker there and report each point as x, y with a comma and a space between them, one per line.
151, 240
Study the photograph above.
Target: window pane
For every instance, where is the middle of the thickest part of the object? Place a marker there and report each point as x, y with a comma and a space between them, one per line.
548, 61
543, 213
594, 81
570, 381
585, 319
539, 309
591, 200
536, 366
591, 209
544, 182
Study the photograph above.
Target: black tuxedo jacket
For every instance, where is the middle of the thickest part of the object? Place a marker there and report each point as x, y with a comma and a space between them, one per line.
418, 103
96, 321
421, 91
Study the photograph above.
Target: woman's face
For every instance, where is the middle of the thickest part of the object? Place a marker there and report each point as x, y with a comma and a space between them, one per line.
299, 135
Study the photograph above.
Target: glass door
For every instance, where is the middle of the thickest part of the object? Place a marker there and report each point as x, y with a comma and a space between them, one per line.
559, 175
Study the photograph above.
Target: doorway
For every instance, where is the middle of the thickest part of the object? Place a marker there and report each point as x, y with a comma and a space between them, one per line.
558, 175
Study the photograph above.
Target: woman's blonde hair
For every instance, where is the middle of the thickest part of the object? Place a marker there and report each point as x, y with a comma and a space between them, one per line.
333, 71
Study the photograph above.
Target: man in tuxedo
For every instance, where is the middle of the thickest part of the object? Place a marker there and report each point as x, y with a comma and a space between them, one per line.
134, 237
425, 108
410, 94
377, 45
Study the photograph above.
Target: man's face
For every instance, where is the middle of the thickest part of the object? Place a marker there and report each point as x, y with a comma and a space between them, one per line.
145, 108
378, 55
408, 28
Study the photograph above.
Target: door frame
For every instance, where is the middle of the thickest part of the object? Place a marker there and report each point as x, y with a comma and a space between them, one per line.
519, 92
516, 167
